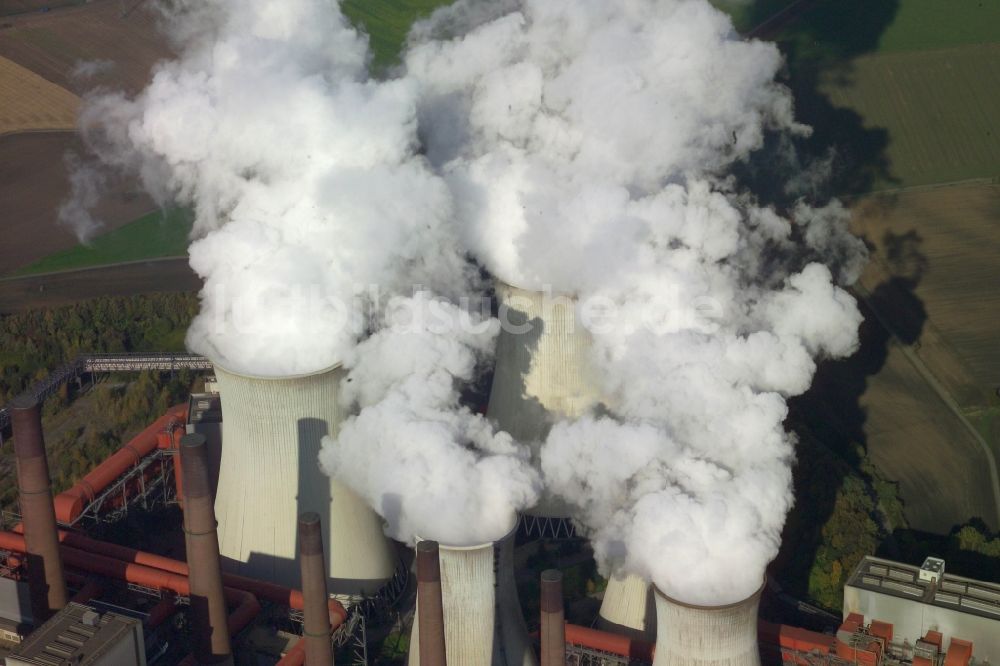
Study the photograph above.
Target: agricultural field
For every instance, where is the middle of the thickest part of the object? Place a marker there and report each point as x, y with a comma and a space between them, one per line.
930, 302
49, 290
943, 241
941, 110
157, 234
52, 44
33, 104
387, 22
33, 183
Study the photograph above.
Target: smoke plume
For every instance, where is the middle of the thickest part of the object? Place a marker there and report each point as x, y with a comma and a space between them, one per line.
587, 145
315, 219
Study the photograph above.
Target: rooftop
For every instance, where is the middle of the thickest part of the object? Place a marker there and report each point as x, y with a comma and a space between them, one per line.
964, 595
77, 634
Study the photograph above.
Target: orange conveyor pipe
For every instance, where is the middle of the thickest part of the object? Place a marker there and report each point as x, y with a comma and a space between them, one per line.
70, 503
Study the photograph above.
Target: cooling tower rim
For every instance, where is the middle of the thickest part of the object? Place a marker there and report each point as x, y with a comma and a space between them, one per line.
478, 546
735, 604
504, 284
276, 378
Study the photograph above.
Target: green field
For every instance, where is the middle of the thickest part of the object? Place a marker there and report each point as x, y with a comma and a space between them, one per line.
152, 236
941, 109
387, 22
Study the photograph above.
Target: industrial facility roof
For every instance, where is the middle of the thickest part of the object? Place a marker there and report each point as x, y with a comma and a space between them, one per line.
204, 408
77, 634
903, 580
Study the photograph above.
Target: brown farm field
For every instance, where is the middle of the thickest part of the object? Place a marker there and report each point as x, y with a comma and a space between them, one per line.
942, 245
33, 183
53, 43
49, 290
32, 103
933, 283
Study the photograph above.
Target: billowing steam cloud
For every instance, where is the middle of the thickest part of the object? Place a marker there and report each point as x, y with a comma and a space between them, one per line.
314, 211
400, 452
302, 172
587, 143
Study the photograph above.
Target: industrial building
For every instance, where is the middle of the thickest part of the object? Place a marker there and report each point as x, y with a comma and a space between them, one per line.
80, 634
284, 573
918, 600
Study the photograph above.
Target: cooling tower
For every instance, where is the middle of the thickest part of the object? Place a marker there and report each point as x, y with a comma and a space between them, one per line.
628, 607
542, 373
483, 624
689, 635
269, 475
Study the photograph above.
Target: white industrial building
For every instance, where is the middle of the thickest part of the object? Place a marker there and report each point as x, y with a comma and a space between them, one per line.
916, 600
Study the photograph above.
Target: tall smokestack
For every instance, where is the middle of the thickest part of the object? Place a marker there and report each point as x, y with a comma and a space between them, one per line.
483, 620
208, 602
315, 609
45, 571
707, 635
272, 427
431, 618
553, 619
544, 373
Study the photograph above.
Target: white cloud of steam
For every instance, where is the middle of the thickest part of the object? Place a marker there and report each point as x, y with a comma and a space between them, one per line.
431, 468
587, 145
303, 174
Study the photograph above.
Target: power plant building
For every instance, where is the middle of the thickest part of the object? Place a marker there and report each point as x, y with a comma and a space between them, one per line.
82, 636
918, 600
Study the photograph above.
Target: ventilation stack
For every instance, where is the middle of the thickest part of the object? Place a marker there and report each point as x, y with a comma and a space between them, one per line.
208, 601
46, 582
689, 635
483, 624
553, 630
543, 374
270, 474
315, 609
430, 627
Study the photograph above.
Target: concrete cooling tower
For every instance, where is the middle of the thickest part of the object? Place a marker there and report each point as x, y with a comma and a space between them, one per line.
483, 624
689, 635
543, 373
269, 475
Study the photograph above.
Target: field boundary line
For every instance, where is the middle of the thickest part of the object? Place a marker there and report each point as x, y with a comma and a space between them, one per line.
84, 269
943, 394
983, 180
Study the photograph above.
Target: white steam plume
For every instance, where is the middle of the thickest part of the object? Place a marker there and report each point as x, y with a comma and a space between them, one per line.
313, 210
586, 143
303, 174
433, 469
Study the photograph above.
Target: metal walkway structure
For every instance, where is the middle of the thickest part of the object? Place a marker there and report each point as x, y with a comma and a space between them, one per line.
120, 362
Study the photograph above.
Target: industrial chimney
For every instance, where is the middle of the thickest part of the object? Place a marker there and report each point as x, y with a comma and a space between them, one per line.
483, 624
315, 610
553, 619
46, 584
707, 635
269, 475
208, 601
543, 373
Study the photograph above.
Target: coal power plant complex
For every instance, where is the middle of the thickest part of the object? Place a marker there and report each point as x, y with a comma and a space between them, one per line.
494, 361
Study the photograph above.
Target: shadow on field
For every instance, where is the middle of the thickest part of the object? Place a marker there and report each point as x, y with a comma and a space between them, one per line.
830, 417
842, 156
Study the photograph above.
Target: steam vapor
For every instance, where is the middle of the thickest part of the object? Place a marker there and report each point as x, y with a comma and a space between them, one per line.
315, 216
586, 144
